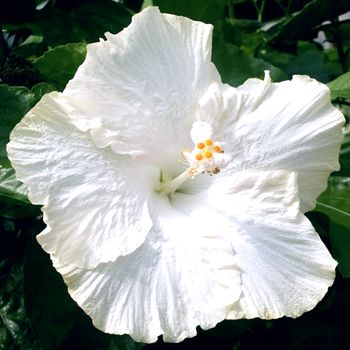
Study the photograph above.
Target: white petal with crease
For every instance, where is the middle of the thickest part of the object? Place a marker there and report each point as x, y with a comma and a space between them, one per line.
148, 77
285, 268
289, 125
95, 205
181, 277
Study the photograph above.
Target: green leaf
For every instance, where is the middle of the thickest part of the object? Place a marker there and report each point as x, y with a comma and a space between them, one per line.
301, 24
340, 87
344, 157
208, 11
15, 333
55, 317
40, 89
236, 66
320, 222
243, 33
340, 240
12, 209
13, 197
10, 187
15, 102
335, 201
86, 22
33, 47
15, 330
309, 60
58, 66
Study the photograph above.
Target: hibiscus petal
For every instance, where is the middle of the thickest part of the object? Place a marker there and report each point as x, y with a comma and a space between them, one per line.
289, 125
285, 267
95, 202
181, 277
148, 77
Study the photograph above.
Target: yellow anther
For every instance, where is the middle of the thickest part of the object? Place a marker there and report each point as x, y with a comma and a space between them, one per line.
217, 149
199, 157
201, 145
208, 154
208, 142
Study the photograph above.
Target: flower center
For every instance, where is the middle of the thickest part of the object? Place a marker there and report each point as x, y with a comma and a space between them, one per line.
206, 157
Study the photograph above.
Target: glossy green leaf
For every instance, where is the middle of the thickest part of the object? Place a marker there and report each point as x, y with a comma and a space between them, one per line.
236, 66
40, 89
84, 23
55, 317
10, 187
15, 102
13, 197
301, 24
335, 201
340, 87
57, 66
208, 11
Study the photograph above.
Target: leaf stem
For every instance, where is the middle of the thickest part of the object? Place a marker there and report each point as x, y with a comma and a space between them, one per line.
262, 7
231, 10
338, 40
259, 10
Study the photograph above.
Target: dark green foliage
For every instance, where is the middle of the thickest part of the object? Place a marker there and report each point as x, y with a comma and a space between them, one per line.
236, 66
58, 65
344, 157
14, 103
15, 328
13, 197
42, 45
340, 87
335, 203
209, 11
84, 23
303, 25
18, 71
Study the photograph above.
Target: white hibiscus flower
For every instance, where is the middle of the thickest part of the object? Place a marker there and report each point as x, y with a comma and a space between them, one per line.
148, 244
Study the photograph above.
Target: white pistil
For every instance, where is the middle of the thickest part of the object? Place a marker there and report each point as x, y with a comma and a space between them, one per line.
168, 188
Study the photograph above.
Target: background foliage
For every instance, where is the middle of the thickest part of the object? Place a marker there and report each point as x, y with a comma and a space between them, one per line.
42, 43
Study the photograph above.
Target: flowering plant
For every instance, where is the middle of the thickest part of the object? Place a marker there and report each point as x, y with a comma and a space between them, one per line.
174, 175
142, 241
